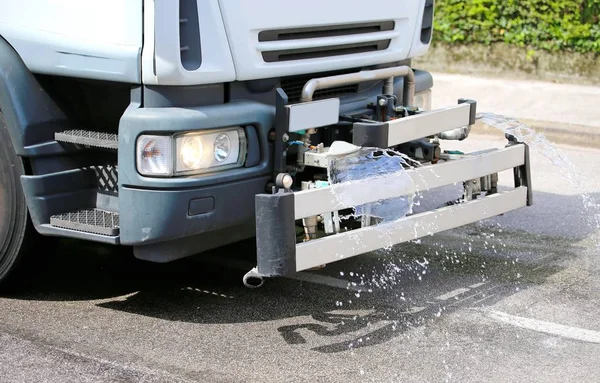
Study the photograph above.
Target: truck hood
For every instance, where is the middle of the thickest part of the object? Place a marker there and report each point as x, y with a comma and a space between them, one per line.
273, 38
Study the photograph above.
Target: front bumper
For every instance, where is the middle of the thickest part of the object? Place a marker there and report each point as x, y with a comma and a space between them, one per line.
156, 210
280, 254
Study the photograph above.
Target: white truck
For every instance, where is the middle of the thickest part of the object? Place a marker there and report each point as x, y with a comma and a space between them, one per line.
178, 126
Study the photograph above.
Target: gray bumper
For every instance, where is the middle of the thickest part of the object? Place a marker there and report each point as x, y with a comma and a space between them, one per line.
153, 216
164, 209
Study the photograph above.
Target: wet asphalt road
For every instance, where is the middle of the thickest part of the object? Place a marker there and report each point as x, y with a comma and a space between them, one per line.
514, 298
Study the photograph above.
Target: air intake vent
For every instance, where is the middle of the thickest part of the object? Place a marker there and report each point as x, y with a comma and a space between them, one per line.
377, 37
189, 35
330, 51
427, 23
327, 31
293, 87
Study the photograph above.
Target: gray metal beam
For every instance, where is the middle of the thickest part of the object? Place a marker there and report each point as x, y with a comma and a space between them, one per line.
345, 245
336, 197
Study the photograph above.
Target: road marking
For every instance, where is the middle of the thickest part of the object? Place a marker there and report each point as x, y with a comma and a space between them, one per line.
485, 298
413, 310
208, 292
477, 285
476, 295
551, 328
452, 294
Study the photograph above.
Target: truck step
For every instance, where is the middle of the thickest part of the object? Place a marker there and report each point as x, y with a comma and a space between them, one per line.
94, 221
88, 138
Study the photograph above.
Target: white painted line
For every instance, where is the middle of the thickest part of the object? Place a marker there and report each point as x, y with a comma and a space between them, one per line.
477, 285
452, 294
563, 331
414, 310
208, 292
477, 294
327, 281
485, 298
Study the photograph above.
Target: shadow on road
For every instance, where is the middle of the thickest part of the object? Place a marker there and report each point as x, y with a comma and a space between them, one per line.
414, 285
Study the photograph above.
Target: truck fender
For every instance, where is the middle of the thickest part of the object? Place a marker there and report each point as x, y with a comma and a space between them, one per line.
32, 117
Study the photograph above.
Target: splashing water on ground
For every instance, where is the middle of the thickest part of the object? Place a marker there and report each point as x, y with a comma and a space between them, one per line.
396, 269
538, 142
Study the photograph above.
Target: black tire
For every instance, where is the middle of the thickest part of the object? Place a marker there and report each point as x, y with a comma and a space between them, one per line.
16, 229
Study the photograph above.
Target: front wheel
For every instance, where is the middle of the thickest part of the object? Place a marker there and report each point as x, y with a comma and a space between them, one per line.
15, 226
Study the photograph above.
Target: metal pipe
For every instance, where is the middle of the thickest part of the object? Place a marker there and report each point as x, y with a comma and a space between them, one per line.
457, 134
388, 86
252, 279
309, 223
363, 76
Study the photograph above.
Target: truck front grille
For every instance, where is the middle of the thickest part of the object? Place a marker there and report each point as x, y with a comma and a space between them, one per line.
335, 48
330, 51
326, 31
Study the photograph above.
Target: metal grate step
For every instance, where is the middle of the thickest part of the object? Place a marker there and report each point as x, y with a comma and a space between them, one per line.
88, 138
88, 220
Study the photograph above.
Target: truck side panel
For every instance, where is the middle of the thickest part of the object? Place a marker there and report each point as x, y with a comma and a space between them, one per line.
87, 39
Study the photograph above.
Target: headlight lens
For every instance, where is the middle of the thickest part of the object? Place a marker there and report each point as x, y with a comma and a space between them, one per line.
222, 147
192, 152
154, 155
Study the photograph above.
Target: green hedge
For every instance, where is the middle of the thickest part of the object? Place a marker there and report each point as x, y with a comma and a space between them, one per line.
551, 25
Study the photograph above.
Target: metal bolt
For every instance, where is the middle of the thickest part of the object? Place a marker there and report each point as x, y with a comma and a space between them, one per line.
382, 102
285, 137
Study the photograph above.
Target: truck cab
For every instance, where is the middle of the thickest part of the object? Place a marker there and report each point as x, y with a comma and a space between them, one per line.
176, 127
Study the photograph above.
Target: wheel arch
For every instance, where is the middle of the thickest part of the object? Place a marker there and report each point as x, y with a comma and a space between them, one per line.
31, 116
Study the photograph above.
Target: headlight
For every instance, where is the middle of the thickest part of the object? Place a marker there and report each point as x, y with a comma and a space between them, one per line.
211, 150
194, 152
222, 147
191, 152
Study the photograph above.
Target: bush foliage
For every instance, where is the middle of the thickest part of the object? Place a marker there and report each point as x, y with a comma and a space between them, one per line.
551, 25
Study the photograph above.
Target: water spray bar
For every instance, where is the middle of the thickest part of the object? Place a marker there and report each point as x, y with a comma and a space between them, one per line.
340, 246
278, 254
396, 132
316, 201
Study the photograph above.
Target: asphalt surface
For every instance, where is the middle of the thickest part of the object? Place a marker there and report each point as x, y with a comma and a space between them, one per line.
514, 298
